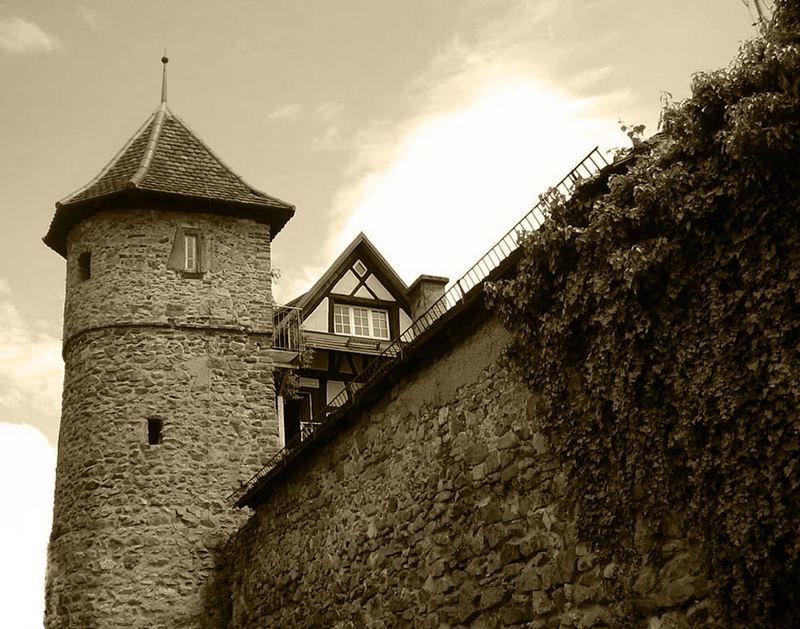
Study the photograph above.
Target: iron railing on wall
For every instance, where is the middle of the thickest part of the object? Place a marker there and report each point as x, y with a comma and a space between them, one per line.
453, 296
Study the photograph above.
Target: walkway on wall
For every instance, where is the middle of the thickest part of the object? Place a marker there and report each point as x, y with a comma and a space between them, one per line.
422, 327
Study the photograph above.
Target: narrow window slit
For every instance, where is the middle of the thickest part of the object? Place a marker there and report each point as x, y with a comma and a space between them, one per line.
155, 427
85, 265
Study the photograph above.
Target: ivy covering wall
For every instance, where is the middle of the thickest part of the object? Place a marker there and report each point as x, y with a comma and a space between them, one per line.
657, 320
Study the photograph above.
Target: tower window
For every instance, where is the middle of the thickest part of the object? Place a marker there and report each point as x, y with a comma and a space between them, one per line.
155, 428
85, 266
190, 253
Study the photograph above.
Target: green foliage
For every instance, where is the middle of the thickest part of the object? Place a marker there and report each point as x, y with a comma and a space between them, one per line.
290, 383
658, 321
635, 133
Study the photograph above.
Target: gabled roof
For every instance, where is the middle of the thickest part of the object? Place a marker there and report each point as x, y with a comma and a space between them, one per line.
166, 160
361, 246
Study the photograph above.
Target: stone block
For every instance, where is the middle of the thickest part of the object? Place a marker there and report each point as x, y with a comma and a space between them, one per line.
586, 562
494, 597
540, 603
529, 579
516, 613
508, 441
492, 463
540, 443
610, 570
645, 581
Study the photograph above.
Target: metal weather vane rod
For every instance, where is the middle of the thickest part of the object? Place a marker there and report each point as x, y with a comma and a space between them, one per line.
165, 61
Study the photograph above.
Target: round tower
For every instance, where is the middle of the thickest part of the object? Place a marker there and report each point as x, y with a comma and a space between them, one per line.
168, 397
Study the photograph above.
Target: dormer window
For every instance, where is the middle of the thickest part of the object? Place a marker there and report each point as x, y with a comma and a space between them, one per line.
190, 253
360, 321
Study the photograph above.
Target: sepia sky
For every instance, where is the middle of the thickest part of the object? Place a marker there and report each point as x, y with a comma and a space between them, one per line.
431, 125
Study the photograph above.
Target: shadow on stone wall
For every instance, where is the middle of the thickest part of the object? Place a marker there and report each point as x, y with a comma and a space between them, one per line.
215, 595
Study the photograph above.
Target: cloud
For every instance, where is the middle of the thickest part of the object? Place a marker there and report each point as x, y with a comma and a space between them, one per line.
91, 17
486, 129
27, 467
295, 283
21, 37
285, 112
519, 40
330, 109
457, 182
31, 369
329, 140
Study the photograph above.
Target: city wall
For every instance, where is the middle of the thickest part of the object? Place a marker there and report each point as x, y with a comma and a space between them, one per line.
437, 507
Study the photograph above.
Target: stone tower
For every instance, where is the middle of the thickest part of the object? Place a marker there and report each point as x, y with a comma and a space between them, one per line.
168, 395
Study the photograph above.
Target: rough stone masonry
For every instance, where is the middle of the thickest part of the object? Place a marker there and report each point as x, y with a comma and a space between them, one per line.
136, 525
436, 507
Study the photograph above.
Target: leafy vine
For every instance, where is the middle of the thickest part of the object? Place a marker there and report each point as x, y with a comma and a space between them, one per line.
658, 319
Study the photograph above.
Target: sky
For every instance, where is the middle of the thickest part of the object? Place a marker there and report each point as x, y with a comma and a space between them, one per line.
431, 125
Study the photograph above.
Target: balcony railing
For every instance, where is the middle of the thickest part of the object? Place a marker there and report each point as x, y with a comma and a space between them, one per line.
287, 334
415, 333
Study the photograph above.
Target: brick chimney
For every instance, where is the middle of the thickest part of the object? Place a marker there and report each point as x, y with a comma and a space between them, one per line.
424, 292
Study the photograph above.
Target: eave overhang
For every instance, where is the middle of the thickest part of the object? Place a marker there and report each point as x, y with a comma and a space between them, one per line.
70, 214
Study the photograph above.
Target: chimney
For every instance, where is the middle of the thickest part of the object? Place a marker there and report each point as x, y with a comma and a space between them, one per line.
424, 292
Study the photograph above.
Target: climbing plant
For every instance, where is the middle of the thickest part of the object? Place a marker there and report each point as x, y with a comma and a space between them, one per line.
656, 316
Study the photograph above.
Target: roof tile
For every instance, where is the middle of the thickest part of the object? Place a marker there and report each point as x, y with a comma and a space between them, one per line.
164, 156
181, 164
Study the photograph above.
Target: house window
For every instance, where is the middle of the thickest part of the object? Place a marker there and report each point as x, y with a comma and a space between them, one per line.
155, 427
190, 253
341, 319
85, 266
359, 321
380, 324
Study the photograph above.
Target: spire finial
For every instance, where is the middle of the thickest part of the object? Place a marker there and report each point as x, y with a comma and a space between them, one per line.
165, 61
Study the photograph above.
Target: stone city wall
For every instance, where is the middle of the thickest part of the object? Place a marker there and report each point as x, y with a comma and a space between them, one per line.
437, 508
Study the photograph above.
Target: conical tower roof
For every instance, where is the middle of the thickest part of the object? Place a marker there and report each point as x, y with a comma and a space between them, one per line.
165, 164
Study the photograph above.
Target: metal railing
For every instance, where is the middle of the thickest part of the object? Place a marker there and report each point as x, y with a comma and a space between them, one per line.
287, 334
455, 295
